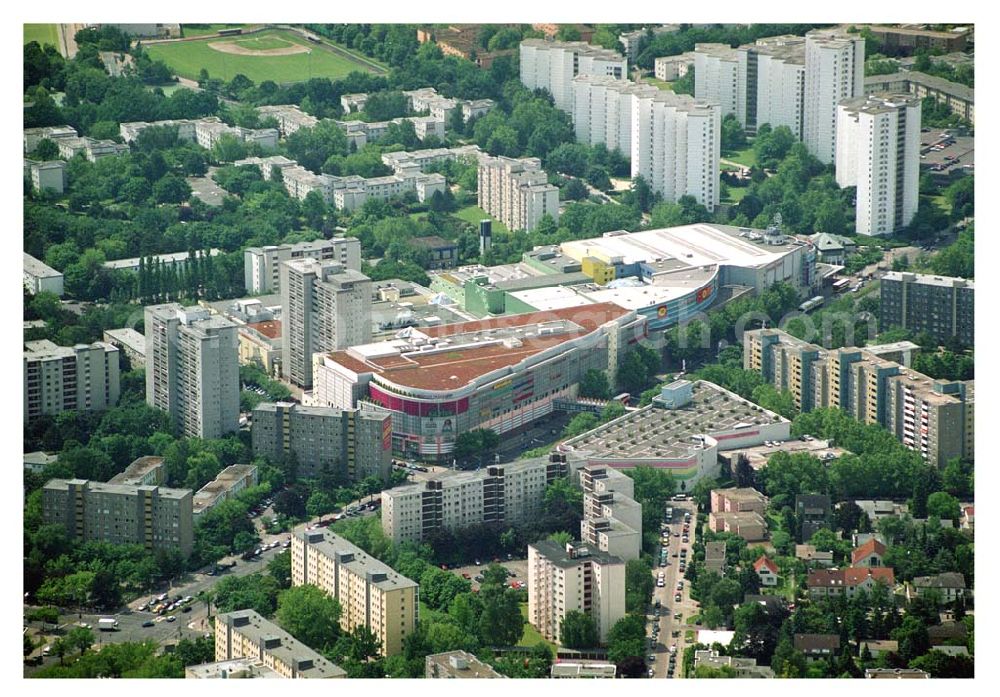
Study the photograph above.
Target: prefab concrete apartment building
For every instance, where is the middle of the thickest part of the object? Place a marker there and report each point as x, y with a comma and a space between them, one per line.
517, 191
192, 369
878, 151
153, 516
835, 70
245, 634
41, 278
575, 577
262, 265
351, 442
552, 65
673, 140
325, 307
370, 593
933, 417
942, 306
501, 495
84, 377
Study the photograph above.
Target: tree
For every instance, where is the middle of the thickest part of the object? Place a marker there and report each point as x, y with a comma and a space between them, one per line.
289, 502
319, 503
195, 651
501, 622
578, 631
581, 423
171, 189
80, 638
626, 638
46, 150
310, 615
594, 384
743, 472
913, 639
944, 506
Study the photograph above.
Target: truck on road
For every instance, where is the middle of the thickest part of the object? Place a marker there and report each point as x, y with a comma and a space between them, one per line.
107, 624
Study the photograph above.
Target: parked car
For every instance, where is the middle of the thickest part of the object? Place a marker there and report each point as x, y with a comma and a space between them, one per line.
148, 623
171, 619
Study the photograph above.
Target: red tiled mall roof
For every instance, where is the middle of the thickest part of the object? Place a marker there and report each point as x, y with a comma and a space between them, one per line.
449, 370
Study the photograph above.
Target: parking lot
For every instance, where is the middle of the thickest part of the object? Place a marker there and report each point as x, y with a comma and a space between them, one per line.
945, 154
518, 566
205, 189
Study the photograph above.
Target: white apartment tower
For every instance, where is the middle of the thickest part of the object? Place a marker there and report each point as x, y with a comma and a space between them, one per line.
720, 76
324, 307
552, 65
602, 110
777, 64
834, 71
192, 369
261, 265
516, 191
576, 577
878, 151
676, 144
762, 82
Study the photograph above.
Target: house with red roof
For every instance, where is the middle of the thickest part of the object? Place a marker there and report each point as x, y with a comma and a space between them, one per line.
870, 554
848, 582
767, 571
968, 521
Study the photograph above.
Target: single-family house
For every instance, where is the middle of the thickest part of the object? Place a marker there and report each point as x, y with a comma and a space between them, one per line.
767, 572
869, 554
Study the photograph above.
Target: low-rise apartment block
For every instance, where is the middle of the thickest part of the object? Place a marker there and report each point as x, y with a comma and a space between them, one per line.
33, 136
670, 68
227, 484
90, 148
501, 495
143, 471
574, 577
350, 192
457, 664
570, 670
419, 160
173, 259
351, 442
370, 593
896, 674
205, 131
41, 278
262, 265
934, 417
245, 634
631, 41
129, 342
46, 176
715, 557
517, 192
942, 306
153, 516
84, 377
290, 118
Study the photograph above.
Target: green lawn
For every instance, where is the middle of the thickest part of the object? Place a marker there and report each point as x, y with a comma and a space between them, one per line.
42, 33
531, 635
662, 84
187, 58
942, 203
473, 214
736, 194
189, 30
745, 157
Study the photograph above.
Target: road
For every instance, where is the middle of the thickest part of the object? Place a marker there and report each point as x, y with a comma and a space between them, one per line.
686, 607
67, 44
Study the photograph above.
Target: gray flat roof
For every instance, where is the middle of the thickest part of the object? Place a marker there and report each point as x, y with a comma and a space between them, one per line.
661, 432
290, 650
556, 554
124, 489
38, 269
363, 564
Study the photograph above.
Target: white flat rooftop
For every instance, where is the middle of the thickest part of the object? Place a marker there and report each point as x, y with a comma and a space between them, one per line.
696, 245
552, 298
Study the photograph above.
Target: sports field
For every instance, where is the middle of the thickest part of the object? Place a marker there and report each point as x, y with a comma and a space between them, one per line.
42, 33
277, 55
